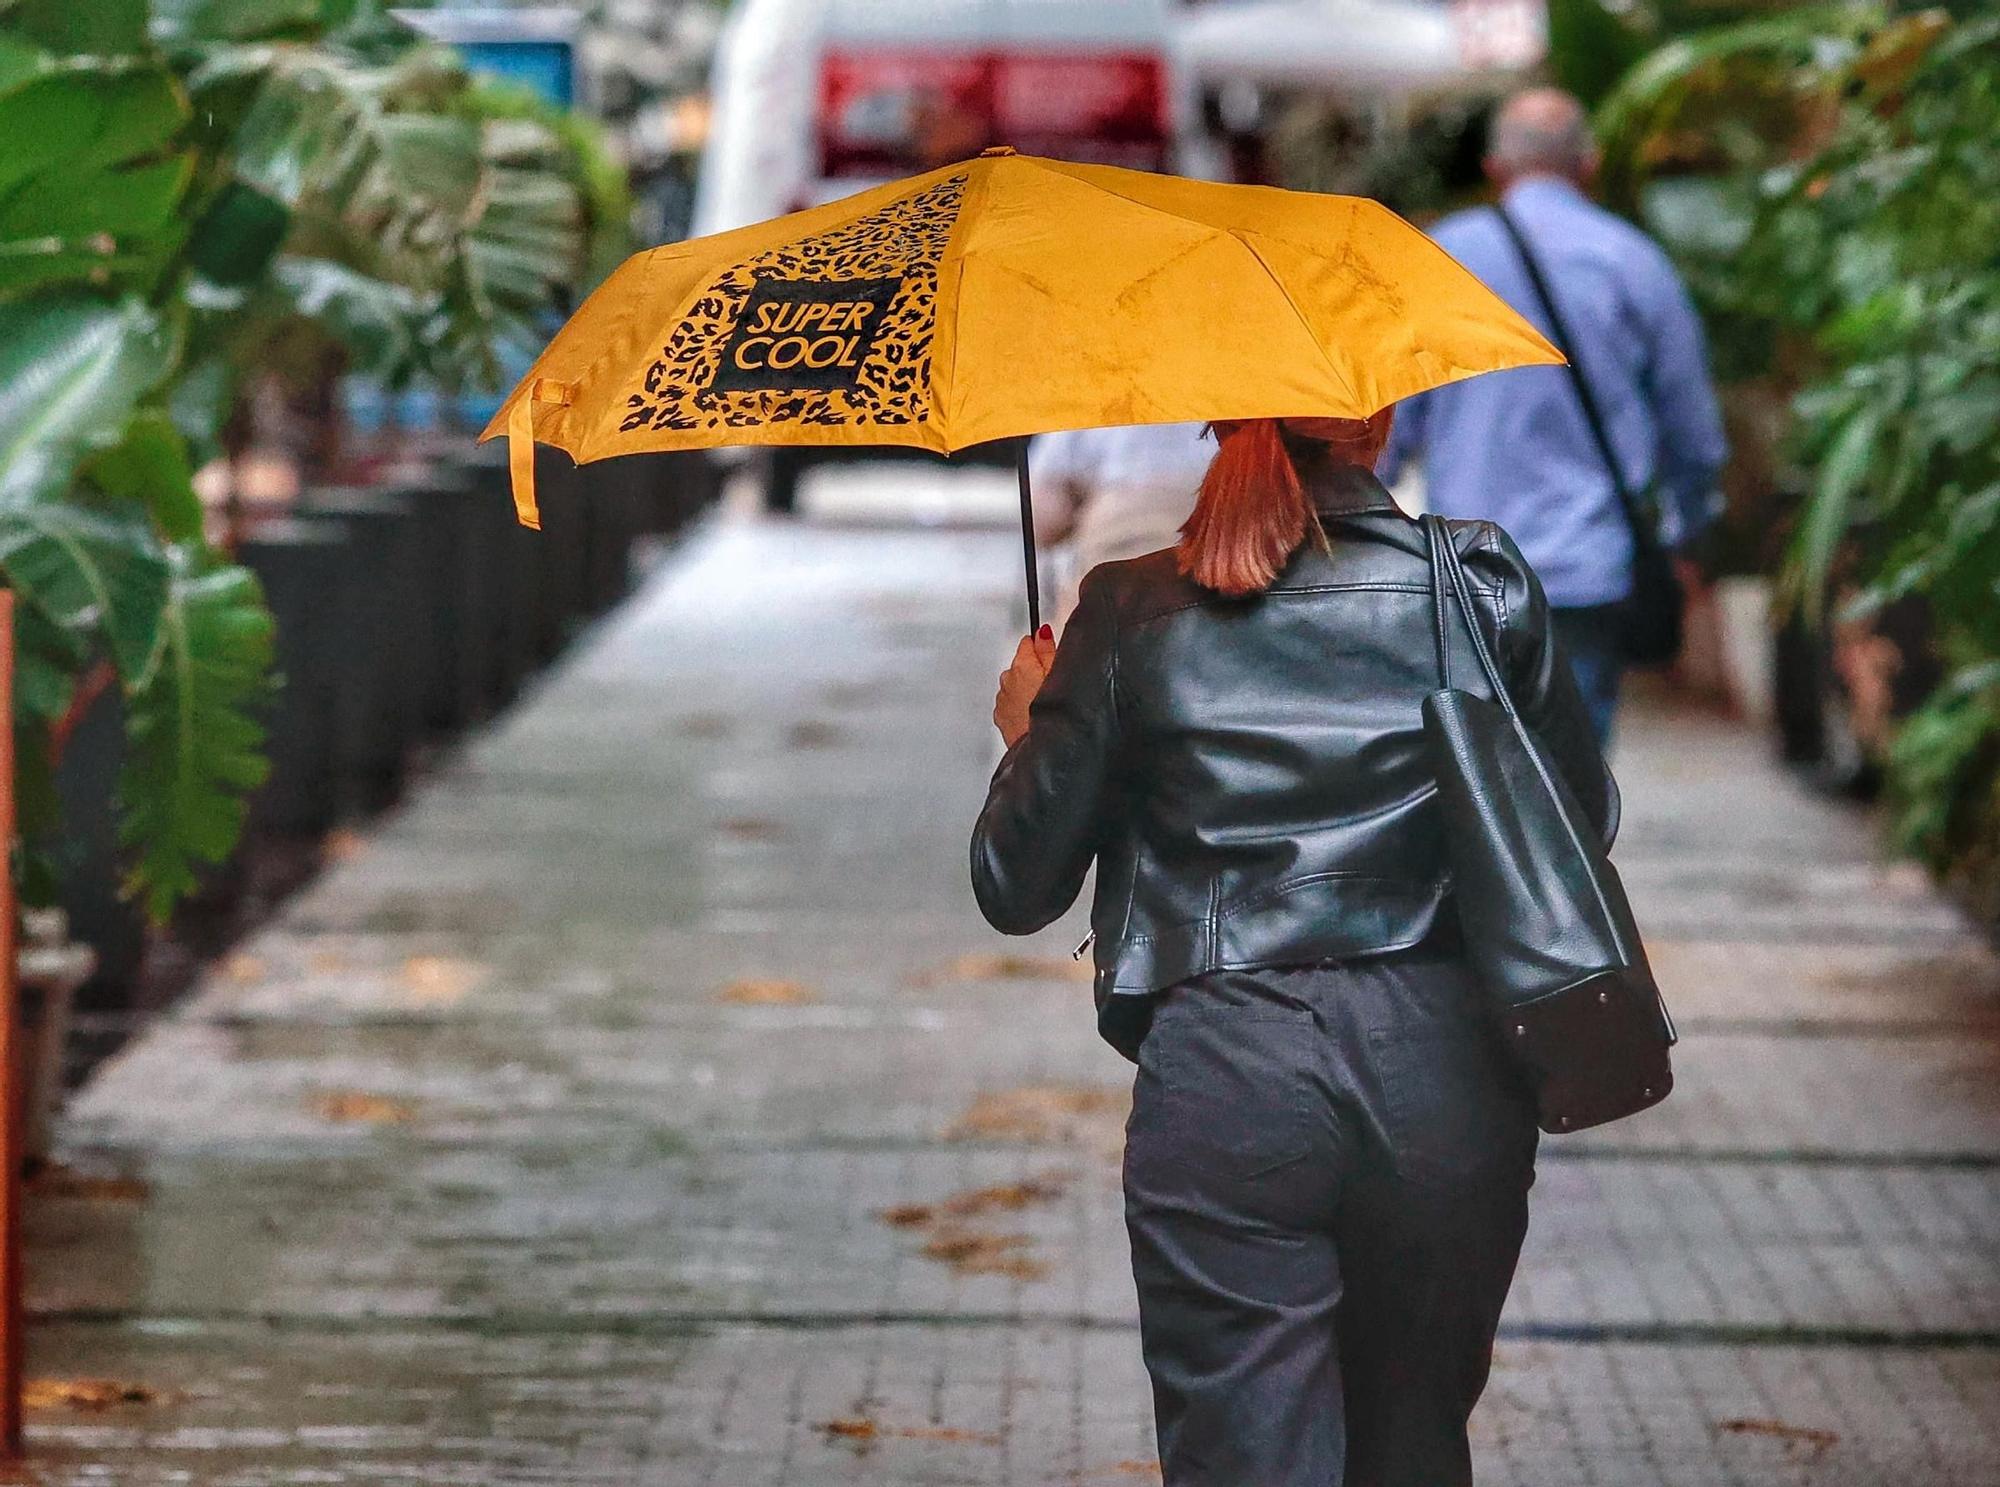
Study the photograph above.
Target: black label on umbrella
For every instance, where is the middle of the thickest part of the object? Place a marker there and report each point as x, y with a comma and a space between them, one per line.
798, 334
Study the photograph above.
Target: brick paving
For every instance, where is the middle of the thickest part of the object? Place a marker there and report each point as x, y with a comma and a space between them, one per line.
554, 1135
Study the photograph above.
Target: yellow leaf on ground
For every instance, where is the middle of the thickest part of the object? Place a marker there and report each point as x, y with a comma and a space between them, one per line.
358, 1107
1005, 966
338, 846
83, 1394
852, 1428
1003, 1197
1056, 1114
441, 979
57, 1180
754, 992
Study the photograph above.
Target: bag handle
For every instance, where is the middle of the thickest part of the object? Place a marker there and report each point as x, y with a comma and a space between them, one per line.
1448, 572
1644, 524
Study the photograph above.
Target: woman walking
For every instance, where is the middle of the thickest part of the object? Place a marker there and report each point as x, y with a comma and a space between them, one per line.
1328, 1159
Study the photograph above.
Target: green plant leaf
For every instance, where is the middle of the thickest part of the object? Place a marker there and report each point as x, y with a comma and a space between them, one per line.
180, 22
149, 467
373, 320
193, 734
238, 235
72, 369
93, 575
103, 28
86, 116
91, 183
1830, 510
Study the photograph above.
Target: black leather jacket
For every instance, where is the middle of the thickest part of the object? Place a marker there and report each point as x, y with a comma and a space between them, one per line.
1249, 775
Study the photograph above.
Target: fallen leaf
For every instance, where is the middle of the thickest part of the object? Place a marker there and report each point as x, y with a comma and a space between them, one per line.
338, 846
1058, 1114
1004, 1197
751, 829
326, 962
813, 735
1005, 967
752, 992
947, 1433
243, 967
83, 1394
441, 979
55, 1180
357, 1107
1792, 1435
856, 1428
975, 1252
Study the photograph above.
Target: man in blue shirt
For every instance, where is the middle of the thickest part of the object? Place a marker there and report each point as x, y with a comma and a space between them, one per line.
1515, 447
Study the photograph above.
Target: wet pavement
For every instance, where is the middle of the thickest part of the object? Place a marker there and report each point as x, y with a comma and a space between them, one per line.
645, 1103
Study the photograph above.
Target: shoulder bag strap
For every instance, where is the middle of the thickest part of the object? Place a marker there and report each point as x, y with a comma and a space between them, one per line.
1643, 527
1448, 574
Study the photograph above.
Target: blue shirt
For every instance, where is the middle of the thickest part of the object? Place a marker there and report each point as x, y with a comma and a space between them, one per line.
1514, 446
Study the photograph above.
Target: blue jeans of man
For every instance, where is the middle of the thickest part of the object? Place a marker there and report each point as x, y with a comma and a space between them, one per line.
1590, 638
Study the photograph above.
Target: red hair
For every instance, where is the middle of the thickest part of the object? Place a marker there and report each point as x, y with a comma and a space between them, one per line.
1253, 510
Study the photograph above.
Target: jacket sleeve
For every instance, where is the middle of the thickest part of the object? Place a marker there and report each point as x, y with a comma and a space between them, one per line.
1543, 685
1044, 809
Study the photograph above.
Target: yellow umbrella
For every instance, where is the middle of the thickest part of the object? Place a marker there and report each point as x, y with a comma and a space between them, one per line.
1004, 296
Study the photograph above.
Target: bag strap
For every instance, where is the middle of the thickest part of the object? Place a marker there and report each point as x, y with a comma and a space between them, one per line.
1447, 572
1435, 536
1644, 526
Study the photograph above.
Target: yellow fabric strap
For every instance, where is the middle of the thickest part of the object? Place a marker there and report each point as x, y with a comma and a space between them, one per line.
521, 445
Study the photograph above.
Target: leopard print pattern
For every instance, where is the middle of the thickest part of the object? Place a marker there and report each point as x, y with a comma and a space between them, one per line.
904, 239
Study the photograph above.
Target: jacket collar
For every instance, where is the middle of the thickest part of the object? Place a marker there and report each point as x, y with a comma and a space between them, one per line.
1345, 490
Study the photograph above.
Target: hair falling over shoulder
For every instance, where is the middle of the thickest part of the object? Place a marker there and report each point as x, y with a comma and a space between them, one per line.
1251, 513
1253, 509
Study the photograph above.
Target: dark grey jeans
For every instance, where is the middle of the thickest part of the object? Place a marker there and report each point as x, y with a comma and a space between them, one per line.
1326, 1185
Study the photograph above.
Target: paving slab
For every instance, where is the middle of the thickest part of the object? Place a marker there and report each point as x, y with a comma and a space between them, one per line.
645, 1103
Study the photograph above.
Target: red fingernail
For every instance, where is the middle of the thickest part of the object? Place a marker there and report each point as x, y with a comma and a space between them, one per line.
1046, 633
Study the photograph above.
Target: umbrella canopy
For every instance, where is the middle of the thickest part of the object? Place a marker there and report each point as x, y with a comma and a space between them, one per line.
1010, 295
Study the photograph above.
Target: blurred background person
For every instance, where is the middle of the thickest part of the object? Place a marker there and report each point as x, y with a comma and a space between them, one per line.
1517, 448
1104, 494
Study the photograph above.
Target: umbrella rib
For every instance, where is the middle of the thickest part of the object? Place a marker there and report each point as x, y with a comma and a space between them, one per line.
1304, 325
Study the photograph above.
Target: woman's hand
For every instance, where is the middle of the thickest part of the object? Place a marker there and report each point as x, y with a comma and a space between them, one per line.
1020, 682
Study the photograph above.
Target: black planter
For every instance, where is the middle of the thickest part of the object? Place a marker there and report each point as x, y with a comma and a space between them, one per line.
384, 656
461, 553
522, 592
614, 501
308, 570
563, 546
89, 867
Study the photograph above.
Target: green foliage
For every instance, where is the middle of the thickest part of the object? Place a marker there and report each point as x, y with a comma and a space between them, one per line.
194, 742
1860, 255
72, 370
193, 193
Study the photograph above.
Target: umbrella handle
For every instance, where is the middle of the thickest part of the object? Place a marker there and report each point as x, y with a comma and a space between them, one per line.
1028, 536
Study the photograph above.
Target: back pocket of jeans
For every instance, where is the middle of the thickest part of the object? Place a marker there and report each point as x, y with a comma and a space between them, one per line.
1450, 1109
1226, 1090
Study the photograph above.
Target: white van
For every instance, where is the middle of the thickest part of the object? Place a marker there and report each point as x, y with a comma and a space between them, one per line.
814, 99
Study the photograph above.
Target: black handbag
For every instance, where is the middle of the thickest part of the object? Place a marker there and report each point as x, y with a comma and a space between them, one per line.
1546, 927
1651, 619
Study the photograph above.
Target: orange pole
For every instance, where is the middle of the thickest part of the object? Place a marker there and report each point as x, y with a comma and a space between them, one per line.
10, 1054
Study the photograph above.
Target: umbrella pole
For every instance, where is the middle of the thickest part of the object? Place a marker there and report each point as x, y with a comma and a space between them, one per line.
1028, 535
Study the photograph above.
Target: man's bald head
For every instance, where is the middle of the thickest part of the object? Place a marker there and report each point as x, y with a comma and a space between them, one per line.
1542, 132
